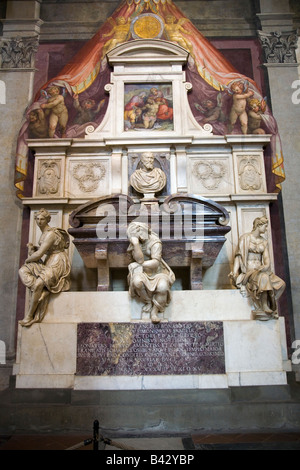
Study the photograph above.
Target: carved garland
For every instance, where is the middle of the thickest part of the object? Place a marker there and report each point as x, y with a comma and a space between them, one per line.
210, 173
89, 175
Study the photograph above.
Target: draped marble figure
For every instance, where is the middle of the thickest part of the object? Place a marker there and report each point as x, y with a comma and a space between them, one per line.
47, 268
150, 278
252, 271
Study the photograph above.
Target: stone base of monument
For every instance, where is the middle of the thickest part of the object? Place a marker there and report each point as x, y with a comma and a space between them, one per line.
101, 341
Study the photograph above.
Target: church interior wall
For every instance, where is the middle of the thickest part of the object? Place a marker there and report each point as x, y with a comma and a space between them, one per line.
231, 26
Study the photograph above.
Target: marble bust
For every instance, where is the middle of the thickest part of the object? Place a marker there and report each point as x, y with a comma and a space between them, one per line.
147, 179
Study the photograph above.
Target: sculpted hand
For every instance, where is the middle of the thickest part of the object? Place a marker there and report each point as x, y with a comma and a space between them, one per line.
134, 241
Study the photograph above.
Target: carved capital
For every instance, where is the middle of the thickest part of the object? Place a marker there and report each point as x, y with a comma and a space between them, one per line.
18, 53
279, 47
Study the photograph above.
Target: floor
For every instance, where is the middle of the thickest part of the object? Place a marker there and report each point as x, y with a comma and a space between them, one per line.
251, 441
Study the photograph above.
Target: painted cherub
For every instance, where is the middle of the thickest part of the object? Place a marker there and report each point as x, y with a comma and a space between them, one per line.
240, 93
174, 32
212, 110
119, 32
57, 109
86, 110
256, 110
38, 126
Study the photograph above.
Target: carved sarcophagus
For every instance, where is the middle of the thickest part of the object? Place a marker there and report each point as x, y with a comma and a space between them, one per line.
192, 230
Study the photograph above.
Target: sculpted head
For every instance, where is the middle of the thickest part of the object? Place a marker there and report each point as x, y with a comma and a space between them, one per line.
42, 218
261, 223
147, 160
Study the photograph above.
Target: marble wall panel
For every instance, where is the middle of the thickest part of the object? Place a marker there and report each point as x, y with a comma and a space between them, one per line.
49, 177
210, 175
216, 277
249, 173
253, 346
48, 349
88, 177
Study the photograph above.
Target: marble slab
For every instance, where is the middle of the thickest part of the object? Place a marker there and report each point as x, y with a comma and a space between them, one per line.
111, 307
133, 349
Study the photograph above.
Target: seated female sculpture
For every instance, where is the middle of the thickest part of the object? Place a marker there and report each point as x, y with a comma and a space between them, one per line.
150, 278
252, 271
50, 275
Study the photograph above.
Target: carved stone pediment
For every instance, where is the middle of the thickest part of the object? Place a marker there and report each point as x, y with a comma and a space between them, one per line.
139, 67
140, 50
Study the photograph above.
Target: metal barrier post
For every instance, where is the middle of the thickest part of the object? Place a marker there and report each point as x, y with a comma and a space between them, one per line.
96, 435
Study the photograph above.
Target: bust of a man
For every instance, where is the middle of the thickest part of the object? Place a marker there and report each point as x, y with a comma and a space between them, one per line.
148, 180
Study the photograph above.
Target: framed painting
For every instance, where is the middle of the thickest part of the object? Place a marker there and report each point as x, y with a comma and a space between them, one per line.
148, 107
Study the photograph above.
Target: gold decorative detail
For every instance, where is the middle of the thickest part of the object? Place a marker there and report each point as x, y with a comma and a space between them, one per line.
147, 26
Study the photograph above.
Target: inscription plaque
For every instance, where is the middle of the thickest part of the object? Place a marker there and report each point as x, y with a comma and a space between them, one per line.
150, 349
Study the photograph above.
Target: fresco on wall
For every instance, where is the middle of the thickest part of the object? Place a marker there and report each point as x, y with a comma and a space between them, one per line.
231, 102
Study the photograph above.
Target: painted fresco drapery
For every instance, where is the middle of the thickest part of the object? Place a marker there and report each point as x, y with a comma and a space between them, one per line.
83, 80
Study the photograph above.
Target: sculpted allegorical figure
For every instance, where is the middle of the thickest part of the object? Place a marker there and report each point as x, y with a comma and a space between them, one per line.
48, 275
148, 179
252, 271
150, 278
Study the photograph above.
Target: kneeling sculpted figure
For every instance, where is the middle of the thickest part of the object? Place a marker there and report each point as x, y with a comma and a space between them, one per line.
150, 278
252, 271
45, 276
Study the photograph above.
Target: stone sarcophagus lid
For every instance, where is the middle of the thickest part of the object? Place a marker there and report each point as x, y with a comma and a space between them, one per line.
192, 230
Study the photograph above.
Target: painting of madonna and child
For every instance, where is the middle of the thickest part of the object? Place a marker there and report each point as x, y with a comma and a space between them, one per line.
148, 106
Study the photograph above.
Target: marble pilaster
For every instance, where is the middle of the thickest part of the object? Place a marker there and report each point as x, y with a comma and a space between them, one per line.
20, 31
281, 66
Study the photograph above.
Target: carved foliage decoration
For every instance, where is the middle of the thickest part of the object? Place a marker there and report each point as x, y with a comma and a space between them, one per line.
250, 173
48, 179
88, 175
209, 172
18, 53
279, 47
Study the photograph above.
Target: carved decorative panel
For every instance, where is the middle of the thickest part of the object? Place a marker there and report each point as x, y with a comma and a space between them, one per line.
250, 173
48, 181
88, 177
210, 175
